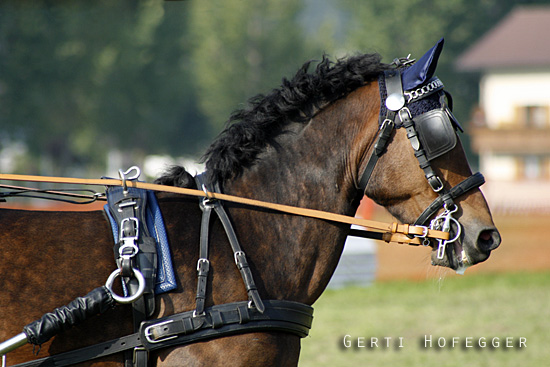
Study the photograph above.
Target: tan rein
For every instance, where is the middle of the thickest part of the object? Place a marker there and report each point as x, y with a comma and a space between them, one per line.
393, 232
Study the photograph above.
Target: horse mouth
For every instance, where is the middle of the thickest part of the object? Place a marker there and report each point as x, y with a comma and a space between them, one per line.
455, 258
460, 255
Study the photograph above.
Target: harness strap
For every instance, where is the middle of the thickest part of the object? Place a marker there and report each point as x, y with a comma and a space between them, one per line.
136, 249
240, 258
394, 102
379, 149
472, 182
185, 328
203, 264
433, 180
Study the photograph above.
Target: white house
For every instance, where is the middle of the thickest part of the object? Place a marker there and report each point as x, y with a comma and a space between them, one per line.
511, 129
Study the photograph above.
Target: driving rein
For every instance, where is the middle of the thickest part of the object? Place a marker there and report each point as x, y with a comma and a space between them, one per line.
431, 134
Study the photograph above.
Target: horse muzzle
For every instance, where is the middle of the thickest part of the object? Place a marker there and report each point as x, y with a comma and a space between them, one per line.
474, 246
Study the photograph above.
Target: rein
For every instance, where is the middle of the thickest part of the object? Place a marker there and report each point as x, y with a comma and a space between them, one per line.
391, 232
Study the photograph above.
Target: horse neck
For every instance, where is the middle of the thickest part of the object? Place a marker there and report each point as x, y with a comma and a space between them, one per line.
315, 166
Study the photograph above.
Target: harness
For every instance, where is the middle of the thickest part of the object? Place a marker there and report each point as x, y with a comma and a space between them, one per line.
136, 258
431, 134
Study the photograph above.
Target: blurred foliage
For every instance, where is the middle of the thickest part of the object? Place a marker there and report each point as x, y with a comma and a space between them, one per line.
81, 78
242, 48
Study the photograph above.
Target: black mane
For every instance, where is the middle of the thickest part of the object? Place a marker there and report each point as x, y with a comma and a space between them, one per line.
250, 130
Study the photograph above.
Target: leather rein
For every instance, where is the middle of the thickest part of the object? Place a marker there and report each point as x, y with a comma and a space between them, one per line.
389, 232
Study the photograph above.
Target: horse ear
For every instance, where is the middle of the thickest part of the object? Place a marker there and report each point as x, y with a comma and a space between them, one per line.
424, 69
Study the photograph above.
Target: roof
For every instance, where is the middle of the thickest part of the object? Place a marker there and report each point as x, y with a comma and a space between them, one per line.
519, 40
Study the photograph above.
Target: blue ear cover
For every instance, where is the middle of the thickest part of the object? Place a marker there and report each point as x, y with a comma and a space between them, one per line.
422, 70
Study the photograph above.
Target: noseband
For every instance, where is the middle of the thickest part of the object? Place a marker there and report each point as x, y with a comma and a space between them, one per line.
431, 134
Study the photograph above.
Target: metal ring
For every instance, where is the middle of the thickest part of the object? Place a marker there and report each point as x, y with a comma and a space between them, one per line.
129, 299
458, 232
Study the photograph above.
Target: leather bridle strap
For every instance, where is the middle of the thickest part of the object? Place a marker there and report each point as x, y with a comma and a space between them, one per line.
392, 228
472, 182
379, 149
397, 109
394, 88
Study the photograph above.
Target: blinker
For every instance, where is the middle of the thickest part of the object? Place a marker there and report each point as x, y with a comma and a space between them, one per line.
436, 133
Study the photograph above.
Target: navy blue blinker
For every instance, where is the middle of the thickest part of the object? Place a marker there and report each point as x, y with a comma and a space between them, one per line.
423, 70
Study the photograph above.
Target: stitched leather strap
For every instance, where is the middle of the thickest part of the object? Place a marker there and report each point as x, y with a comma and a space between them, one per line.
240, 257
220, 320
472, 182
203, 264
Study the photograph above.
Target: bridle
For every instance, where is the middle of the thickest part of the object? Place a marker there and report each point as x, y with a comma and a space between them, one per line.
431, 134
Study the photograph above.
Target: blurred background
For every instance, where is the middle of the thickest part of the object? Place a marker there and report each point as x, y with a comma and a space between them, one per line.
88, 87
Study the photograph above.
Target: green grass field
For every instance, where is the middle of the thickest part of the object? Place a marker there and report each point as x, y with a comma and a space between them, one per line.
477, 307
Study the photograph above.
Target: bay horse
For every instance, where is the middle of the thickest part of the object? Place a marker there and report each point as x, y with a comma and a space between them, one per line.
305, 144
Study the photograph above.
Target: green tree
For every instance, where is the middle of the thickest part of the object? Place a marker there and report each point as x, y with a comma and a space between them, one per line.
80, 78
241, 48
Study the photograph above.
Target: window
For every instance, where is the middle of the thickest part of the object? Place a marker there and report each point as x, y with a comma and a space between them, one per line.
534, 116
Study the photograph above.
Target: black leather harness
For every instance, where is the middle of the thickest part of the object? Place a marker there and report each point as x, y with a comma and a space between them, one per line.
186, 328
254, 315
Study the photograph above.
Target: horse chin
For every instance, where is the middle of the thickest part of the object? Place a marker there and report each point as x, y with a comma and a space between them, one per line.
458, 258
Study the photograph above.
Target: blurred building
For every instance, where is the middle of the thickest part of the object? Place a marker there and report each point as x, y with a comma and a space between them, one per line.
510, 130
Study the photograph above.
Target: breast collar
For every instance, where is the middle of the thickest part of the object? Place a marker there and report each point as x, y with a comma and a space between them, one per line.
431, 130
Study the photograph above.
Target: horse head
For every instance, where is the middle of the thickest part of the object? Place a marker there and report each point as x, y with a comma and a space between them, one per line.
423, 176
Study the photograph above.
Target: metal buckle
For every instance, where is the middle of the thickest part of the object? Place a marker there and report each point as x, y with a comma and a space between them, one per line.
384, 123
147, 333
404, 117
123, 236
122, 250
424, 235
237, 255
424, 232
207, 200
195, 314
203, 262
437, 188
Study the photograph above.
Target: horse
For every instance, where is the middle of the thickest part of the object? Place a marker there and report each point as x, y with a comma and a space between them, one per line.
305, 144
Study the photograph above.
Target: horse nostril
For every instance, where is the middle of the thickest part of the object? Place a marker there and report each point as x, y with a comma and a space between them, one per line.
488, 240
